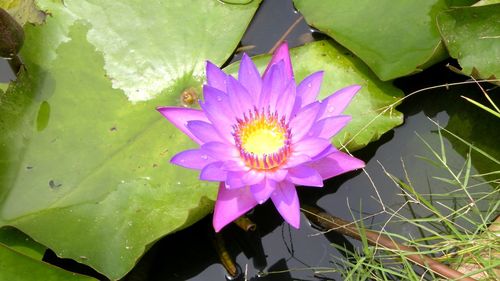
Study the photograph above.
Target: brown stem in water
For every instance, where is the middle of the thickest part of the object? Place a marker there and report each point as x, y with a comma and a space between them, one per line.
245, 223
294, 24
225, 258
326, 221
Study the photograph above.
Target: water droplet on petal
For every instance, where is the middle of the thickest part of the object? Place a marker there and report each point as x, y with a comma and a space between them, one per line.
330, 109
219, 98
204, 157
309, 85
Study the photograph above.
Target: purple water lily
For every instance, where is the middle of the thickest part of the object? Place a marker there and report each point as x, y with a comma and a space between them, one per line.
261, 136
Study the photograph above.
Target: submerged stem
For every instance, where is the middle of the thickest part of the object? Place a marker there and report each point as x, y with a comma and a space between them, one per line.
225, 258
326, 221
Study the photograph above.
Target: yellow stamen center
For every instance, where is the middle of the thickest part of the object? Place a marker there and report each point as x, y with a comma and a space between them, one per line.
263, 140
262, 137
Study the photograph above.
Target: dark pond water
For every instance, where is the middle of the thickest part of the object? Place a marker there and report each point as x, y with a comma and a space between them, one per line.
275, 246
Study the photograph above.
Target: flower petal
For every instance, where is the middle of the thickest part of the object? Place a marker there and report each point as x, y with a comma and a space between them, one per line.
309, 88
335, 164
180, 116
287, 203
272, 87
281, 54
219, 150
262, 191
296, 159
230, 205
235, 166
213, 172
311, 146
302, 123
192, 159
215, 77
304, 175
253, 177
204, 131
249, 77
337, 102
328, 127
239, 98
286, 101
218, 110
234, 180
277, 175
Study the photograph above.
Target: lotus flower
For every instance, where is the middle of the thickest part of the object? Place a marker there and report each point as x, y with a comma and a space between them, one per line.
260, 136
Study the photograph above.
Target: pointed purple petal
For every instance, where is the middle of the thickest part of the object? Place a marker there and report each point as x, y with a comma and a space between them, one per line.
218, 110
329, 150
234, 180
336, 163
296, 159
328, 127
249, 77
215, 77
235, 166
253, 177
230, 205
277, 175
286, 101
204, 131
261, 192
337, 102
281, 54
239, 98
220, 151
309, 88
304, 175
287, 203
272, 87
180, 116
311, 146
213, 172
302, 123
193, 159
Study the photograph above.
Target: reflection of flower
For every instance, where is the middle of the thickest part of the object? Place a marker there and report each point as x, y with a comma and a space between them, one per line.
260, 137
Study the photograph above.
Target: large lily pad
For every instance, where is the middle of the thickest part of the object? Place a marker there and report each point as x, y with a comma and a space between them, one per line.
83, 153
394, 38
16, 266
472, 35
372, 109
21, 259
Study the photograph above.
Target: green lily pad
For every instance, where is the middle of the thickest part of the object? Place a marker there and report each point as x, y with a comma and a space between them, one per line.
486, 2
458, 3
84, 166
16, 266
372, 109
394, 38
20, 242
472, 35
